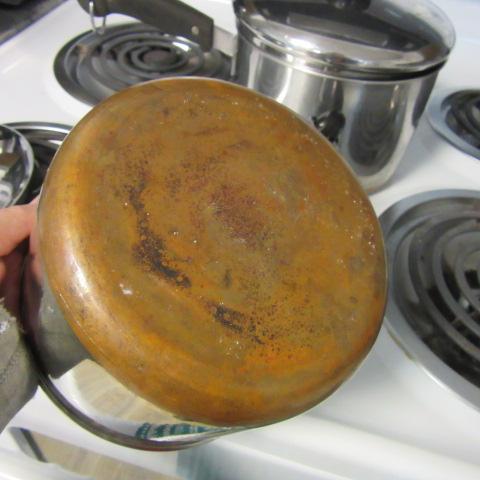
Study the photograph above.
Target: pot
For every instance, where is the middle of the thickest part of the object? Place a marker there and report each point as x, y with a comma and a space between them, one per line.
361, 71
16, 167
205, 262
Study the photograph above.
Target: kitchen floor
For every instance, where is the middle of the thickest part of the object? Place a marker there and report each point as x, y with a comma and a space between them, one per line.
84, 462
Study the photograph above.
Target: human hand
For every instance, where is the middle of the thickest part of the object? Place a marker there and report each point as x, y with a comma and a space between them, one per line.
17, 377
16, 225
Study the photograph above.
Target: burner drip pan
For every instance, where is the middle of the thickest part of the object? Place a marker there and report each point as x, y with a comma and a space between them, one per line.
433, 310
456, 117
92, 67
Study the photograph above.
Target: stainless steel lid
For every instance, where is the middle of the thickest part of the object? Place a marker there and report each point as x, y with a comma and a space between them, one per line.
352, 38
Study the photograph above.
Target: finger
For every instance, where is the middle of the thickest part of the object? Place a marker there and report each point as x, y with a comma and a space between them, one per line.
16, 223
3, 271
10, 282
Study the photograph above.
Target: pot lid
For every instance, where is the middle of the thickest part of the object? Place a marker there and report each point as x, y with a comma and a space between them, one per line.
212, 251
364, 38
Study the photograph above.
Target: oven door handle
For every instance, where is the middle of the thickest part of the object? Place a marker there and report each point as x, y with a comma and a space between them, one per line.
170, 16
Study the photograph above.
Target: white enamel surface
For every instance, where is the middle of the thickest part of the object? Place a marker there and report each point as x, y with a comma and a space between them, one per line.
390, 420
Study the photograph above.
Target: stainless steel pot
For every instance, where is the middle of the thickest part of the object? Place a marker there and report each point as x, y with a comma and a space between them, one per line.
369, 122
361, 71
16, 167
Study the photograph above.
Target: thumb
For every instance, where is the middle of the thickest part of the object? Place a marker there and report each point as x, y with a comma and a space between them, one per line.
16, 224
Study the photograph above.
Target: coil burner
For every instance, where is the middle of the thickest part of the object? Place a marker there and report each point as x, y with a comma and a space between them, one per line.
456, 117
92, 67
433, 310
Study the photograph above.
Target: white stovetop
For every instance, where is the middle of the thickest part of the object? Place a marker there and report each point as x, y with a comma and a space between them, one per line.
390, 420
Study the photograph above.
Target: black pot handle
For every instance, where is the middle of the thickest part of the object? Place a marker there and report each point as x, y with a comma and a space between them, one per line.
170, 16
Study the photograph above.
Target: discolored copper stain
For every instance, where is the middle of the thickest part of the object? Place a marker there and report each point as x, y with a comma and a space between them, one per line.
227, 279
207, 234
237, 210
229, 318
149, 251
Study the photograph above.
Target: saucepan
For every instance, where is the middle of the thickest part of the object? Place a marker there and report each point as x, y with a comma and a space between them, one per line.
16, 167
361, 71
205, 262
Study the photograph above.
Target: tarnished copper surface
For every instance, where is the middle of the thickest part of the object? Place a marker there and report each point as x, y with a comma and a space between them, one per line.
212, 251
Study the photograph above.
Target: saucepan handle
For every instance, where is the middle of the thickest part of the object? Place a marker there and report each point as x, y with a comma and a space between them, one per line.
170, 16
